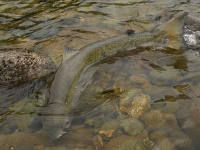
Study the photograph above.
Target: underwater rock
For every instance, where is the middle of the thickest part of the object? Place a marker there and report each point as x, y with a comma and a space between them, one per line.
95, 121
158, 135
156, 120
140, 80
181, 140
189, 119
167, 74
125, 142
164, 144
20, 140
108, 128
140, 104
121, 83
78, 137
126, 98
192, 23
171, 107
21, 66
98, 141
132, 126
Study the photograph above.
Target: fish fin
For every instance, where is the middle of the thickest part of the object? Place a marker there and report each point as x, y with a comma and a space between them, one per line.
68, 52
174, 31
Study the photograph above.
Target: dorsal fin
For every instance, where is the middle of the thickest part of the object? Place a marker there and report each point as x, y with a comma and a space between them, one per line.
68, 52
174, 30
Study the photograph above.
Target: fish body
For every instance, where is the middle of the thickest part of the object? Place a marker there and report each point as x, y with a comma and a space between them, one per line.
62, 91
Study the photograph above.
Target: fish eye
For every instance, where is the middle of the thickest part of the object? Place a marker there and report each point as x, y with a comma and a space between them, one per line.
67, 124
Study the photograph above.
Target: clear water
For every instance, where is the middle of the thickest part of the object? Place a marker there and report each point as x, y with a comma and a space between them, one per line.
105, 117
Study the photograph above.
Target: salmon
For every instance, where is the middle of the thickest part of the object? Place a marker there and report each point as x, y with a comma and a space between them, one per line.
57, 116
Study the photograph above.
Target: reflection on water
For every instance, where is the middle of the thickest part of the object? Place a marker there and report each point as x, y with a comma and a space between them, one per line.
148, 100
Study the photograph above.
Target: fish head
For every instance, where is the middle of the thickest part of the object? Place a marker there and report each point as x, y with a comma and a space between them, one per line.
55, 119
54, 125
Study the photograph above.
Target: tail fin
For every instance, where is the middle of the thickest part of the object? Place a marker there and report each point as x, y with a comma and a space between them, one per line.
174, 30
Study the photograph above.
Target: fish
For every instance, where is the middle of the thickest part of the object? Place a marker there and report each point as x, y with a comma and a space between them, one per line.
57, 114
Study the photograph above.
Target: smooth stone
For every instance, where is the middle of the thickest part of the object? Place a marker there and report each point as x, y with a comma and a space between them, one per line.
127, 97
95, 121
158, 136
98, 141
156, 120
164, 144
165, 75
125, 142
139, 105
140, 80
109, 128
171, 107
132, 126
181, 140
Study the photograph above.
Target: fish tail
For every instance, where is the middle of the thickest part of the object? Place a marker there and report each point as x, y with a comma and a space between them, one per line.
174, 30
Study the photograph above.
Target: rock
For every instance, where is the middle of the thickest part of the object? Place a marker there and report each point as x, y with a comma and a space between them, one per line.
181, 140
170, 107
125, 142
140, 80
109, 128
20, 66
126, 98
158, 136
192, 23
98, 141
95, 121
5, 35
140, 104
22, 141
156, 120
164, 144
167, 74
132, 126
78, 137
121, 83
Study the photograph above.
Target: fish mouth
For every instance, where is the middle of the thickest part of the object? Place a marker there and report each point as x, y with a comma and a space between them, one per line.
55, 134
55, 119
55, 126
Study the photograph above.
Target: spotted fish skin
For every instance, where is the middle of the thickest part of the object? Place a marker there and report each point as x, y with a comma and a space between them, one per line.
19, 66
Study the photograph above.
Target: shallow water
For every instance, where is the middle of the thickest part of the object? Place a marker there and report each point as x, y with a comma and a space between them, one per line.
166, 81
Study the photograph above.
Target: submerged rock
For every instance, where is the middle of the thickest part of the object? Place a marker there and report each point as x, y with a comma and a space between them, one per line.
132, 126
21, 66
125, 142
181, 140
156, 120
140, 104
109, 128
167, 74
98, 141
127, 97
164, 144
